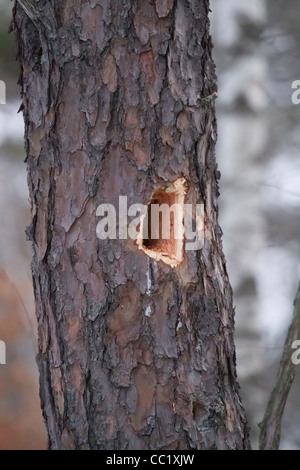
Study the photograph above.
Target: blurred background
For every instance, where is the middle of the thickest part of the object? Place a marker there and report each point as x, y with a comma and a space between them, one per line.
257, 58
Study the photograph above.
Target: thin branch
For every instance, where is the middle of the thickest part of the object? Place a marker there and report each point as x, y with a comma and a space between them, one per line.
270, 427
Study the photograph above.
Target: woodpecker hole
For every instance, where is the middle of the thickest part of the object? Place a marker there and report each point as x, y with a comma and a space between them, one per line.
162, 228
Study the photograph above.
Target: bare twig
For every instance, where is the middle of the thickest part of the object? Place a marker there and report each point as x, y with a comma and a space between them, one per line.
270, 427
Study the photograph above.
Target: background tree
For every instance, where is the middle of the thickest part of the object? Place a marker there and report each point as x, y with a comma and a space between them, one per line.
112, 97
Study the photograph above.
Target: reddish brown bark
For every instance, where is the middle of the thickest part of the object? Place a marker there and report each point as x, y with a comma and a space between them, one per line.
112, 105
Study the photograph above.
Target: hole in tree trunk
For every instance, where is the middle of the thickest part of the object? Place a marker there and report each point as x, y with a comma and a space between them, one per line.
161, 228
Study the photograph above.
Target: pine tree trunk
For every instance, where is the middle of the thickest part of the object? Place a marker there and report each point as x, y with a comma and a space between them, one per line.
133, 353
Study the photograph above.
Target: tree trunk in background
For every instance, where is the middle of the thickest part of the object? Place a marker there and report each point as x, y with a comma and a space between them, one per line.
133, 354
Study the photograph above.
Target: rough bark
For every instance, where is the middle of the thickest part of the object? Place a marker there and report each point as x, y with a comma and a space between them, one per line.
112, 106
